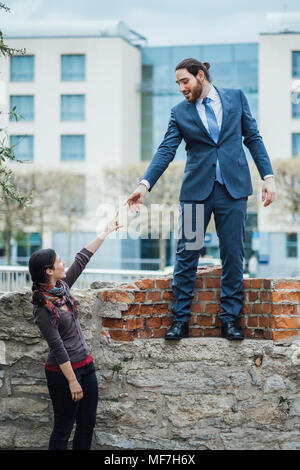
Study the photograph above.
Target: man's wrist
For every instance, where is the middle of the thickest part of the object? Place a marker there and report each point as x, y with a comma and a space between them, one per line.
145, 183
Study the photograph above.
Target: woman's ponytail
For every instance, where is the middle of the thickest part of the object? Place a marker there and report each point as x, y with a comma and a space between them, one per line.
39, 261
37, 296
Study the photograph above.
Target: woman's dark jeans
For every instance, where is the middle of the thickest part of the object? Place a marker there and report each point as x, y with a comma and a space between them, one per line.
67, 411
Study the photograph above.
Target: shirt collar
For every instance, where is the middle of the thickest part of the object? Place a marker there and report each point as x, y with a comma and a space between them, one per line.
212, 94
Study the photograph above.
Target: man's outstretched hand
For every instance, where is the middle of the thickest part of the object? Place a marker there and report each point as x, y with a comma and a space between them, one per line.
135, 199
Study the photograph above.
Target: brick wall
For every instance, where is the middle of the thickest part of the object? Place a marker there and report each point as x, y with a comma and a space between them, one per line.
270, 310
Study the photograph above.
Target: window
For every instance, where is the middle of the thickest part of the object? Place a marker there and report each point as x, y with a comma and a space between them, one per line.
24, 106
22, 68
147, 112
23, 149
26, 245
296, 145
291, 245
73, 67
72, 107
295, 105
72, 147
296, 64
150, 253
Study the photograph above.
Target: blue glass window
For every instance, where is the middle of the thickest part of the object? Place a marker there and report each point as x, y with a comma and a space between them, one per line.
26, 246
73, 67
232, 66
23, 149
247, 52
22, 68
296, 64
72, 107
72, 147
24, 106
291, 245
296, 145
295, 105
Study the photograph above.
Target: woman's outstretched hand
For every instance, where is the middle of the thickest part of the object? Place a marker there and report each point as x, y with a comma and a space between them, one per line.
113, 224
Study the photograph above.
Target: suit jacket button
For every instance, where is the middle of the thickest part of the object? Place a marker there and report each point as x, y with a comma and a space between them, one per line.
213, 164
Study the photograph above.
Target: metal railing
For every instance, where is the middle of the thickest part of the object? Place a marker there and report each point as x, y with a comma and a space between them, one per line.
13, 278
17, 277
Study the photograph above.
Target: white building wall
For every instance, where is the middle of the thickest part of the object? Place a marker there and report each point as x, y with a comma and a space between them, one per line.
276, 127
275, 86
112, 125
275, 111
113, 75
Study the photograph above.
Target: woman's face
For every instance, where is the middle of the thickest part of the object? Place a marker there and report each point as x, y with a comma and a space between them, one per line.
59, 269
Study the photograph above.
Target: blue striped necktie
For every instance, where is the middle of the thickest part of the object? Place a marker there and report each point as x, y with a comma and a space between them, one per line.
213, 130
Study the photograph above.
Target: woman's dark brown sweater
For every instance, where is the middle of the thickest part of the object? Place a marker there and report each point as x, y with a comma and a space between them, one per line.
66, 341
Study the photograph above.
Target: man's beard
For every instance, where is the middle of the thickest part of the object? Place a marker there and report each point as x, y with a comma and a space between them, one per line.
196, 92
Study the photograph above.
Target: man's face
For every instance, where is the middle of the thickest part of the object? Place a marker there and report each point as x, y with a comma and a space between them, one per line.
189, 85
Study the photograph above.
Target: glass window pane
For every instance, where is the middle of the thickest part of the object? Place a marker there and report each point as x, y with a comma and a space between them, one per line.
73, 67
292, 237
72, 107
247, 51
295, 97
179, 53
23, 149
296, 145
22, 68
72, 147
292, 252
35, 239
292, 245
217, 53
232, 66
296, 64
24, 106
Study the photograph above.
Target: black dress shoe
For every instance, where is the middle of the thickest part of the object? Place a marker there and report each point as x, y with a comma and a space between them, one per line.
230, 331
179, 330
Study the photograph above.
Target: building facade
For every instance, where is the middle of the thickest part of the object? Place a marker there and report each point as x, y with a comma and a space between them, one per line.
279, 113
78, 93
94, 99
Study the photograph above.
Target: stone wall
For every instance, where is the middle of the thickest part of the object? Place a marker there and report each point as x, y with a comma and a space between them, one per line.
203, 392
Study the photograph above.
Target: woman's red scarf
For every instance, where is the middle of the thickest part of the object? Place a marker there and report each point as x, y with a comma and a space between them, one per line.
55, 297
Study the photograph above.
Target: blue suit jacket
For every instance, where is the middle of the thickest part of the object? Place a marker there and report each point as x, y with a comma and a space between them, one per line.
202, 152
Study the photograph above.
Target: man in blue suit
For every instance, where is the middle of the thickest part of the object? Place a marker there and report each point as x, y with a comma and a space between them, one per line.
213, 123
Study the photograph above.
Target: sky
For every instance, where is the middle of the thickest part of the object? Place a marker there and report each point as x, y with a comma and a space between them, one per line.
162, 22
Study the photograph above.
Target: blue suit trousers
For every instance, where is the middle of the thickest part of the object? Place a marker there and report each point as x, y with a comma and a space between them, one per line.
230, 216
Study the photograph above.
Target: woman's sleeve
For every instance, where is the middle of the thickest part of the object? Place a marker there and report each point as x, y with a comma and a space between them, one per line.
51, 334
81, 260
